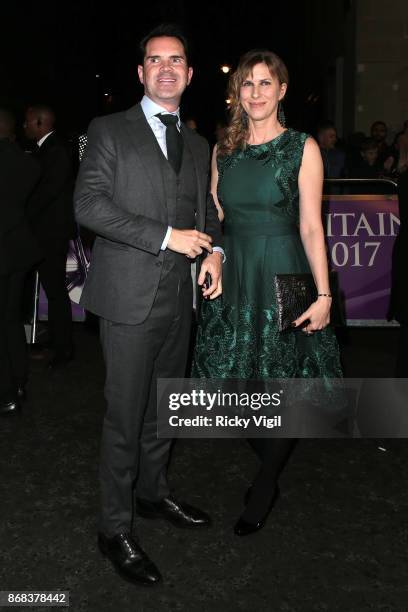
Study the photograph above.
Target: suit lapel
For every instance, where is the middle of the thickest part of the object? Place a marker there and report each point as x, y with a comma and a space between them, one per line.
147, 147
190, 142
48, 142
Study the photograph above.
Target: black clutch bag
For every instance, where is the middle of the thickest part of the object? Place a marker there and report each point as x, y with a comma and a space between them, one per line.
296, 292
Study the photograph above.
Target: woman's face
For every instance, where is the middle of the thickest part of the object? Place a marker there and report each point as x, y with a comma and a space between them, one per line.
260, 93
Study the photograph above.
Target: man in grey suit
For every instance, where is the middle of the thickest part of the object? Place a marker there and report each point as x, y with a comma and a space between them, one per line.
143, 189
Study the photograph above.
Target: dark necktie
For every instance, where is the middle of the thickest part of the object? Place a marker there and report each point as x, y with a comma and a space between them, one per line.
174, 141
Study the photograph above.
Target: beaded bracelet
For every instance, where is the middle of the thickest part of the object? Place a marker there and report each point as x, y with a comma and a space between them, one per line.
324, 295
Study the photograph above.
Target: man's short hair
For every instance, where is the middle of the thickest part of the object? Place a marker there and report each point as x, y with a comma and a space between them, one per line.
165, 29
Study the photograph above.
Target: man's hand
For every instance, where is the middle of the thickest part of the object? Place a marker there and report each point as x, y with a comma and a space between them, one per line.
213, 265
189, 242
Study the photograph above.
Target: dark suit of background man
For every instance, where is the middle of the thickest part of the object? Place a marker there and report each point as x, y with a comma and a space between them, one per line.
144, 210
18, 253
51, 215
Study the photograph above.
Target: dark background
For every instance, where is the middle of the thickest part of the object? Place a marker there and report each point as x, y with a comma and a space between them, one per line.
51, 52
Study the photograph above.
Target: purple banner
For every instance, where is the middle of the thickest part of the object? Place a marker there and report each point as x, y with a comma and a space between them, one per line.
77, 269
360, 232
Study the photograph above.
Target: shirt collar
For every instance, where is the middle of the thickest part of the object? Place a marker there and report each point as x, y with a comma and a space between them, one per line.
151, 109
40, 142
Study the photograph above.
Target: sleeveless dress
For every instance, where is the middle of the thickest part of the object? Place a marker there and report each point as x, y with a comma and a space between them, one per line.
237, 334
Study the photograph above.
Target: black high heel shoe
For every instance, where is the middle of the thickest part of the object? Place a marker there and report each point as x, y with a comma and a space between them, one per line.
243, 527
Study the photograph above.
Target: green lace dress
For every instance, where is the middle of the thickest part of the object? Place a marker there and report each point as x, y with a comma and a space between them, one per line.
237, 332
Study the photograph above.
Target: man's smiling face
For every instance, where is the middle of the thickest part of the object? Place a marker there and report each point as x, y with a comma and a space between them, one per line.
165, 72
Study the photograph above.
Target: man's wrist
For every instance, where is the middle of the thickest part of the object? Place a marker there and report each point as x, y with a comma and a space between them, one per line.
220, 250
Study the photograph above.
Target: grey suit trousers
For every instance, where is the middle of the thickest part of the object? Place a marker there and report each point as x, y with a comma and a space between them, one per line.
132, 458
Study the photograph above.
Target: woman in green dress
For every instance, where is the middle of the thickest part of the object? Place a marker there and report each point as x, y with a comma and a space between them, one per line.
267, 184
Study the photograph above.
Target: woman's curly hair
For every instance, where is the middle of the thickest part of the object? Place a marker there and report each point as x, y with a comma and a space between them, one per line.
236, 133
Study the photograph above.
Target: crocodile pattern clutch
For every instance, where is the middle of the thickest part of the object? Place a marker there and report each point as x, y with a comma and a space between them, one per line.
294, 294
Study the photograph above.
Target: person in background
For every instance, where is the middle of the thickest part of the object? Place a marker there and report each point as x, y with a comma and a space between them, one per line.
402, 133
333, 158
19, 251
396, 166
51, 215
386, 154
367, 166
401, 146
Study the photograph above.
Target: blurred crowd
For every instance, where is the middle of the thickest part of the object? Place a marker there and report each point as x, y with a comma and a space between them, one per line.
364, 156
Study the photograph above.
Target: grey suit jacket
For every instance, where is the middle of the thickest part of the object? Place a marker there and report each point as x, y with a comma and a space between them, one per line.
120, 196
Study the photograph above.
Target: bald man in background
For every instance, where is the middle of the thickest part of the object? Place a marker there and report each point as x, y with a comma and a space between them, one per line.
51, 215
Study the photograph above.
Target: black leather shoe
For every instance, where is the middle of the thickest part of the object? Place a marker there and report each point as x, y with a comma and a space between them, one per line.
129, 559
177, 513
9, 408
243, 527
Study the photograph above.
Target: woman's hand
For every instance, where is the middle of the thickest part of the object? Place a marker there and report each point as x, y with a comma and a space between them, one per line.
216, 293
318, 315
